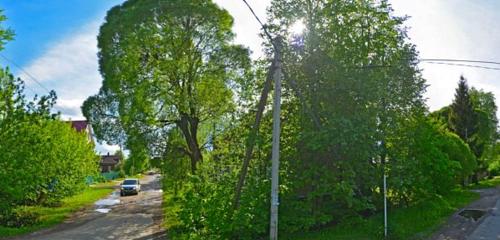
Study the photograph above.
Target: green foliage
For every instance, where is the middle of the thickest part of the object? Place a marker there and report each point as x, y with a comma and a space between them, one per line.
5, 34
346, 123
20, 217
43, 159
178, 93
350, 112
166, 65
431, 214
64, 156
429, 160
473, 117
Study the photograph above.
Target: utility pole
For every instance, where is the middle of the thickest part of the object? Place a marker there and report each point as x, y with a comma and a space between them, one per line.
385, 204
273, 230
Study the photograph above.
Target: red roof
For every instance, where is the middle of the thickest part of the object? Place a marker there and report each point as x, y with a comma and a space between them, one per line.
79, 126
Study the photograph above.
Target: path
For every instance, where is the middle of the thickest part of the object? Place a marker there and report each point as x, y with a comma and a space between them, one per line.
130, 217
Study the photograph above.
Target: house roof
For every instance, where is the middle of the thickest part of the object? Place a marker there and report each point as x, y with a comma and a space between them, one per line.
79, 126
110, 159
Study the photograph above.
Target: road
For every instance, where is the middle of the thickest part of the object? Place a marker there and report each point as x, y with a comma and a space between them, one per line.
489, 229
129, 217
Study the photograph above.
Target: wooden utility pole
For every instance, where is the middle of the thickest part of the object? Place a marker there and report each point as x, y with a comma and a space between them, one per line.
278, 74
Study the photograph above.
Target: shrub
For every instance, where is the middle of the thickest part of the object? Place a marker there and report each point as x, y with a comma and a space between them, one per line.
19, 217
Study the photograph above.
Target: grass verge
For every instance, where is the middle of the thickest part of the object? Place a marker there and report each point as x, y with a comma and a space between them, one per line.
50, 216
415, 222
487, 183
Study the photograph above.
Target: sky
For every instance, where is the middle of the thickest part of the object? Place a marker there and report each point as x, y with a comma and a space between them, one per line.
56, 44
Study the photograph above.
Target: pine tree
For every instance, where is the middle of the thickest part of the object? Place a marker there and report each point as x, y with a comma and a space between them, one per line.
462, 116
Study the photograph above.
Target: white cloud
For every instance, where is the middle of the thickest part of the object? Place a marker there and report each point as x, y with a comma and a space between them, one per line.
456, 29
70, 67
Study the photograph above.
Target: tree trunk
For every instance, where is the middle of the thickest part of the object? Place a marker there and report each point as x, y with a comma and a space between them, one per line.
189, 128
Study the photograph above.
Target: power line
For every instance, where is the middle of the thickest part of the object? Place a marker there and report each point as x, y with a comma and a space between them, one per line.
260, 22
25, 72
30, 76
463, 65
457, 60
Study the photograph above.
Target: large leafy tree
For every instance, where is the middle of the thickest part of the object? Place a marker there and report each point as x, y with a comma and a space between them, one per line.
484, 141
486, 122
165, 64
359, 85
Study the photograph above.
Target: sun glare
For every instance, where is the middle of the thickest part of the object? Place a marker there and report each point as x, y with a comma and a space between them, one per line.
298, 27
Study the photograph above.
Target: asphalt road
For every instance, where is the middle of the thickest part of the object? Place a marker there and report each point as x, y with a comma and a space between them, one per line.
129, 217
485, 228
489, 229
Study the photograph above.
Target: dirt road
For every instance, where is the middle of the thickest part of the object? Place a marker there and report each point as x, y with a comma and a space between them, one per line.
130, 217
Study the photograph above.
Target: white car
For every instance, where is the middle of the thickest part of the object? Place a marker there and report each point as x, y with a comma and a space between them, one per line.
130, 186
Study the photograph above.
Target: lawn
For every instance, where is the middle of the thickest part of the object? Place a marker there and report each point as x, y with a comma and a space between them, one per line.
53, 215
416, 222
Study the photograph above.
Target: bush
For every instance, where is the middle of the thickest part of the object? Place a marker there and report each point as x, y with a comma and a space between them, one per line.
43, 161
19, 217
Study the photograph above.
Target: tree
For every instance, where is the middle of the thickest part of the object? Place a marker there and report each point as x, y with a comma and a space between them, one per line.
34, 141
43, 159
486, 123
462, 115
5, 34
361, 87
166, 65
472, 116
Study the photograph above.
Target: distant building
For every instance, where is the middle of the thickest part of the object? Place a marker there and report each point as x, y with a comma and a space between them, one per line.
109, 162
83, 126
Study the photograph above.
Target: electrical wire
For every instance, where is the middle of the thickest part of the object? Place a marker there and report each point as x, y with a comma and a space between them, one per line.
463, 65
258, 20
457, 60
25, 72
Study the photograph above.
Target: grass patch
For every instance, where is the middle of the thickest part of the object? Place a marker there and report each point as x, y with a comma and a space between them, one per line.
487, 183
170, 210
50, 216
415, 222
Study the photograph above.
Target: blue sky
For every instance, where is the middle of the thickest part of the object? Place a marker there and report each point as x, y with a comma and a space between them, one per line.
39, 23
56, 43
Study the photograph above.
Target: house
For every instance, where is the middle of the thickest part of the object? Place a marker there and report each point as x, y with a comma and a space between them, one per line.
108, 162
83, 126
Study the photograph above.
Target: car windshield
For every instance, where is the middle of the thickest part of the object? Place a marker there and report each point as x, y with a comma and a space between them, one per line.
129, 182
